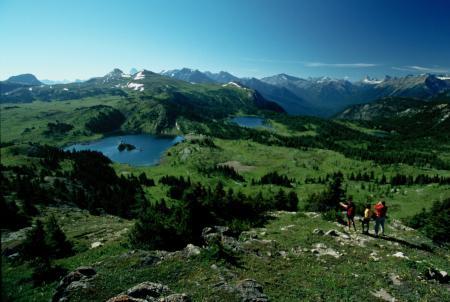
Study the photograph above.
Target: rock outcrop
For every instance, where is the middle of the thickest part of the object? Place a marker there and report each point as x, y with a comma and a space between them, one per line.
149, 292
78, 279
248, 290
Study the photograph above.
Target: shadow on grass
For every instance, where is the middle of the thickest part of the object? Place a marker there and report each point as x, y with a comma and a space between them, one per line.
422, 247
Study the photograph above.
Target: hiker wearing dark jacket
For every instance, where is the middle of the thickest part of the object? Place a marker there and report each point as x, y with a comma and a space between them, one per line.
350, 208
380, 216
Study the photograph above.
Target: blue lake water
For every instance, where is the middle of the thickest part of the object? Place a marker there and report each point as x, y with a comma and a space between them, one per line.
250, 121
148, 152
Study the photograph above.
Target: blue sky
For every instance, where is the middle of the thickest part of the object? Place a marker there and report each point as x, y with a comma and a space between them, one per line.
69, 39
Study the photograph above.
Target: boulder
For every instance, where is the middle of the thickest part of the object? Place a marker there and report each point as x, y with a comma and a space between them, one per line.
438, 275
96, 244
147, 290
192, 250
125, 298
75, 280
321, 249
400, 255
215, 234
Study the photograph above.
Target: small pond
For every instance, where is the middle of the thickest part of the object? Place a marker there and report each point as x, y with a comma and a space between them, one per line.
250, 121
148, 151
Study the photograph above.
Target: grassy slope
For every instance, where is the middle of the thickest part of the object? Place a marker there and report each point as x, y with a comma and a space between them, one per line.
295, 275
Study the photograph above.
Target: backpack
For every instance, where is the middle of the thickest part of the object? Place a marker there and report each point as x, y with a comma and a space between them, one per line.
351, 211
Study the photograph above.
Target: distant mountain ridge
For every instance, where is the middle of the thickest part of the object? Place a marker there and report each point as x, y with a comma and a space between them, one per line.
405, 115
321, 96
24, 79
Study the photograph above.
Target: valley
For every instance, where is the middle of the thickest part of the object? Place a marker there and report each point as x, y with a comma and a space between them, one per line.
206, 155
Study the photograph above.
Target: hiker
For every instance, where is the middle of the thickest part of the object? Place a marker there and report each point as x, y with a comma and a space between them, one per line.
380, 216
350, 207
365, 221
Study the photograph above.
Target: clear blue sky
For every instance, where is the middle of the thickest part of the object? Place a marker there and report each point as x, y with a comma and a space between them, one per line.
65, 39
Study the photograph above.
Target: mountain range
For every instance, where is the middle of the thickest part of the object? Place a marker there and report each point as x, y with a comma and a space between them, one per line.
322, 96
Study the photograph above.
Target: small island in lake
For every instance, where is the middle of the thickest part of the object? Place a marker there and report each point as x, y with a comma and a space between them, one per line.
124, 146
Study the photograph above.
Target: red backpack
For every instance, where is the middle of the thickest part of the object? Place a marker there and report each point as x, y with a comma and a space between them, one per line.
351, 210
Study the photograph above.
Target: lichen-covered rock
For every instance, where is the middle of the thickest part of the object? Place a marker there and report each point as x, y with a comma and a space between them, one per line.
147, 289
75, 280
149, 292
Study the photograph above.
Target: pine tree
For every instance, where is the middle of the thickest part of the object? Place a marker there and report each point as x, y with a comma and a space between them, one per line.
292, 203
35, 246
281, 200
56, 240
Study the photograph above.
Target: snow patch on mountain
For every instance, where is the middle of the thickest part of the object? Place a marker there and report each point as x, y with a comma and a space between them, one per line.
232, 84
368, 80
140, 75
136, 86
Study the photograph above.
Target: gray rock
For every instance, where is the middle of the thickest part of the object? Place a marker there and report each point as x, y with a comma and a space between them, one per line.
78, 279
395, 279
251, 291
191, 250
383, 295
220, 234
125, 298
146, 290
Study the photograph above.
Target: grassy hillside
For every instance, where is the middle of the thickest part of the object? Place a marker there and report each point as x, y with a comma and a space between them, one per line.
303, 265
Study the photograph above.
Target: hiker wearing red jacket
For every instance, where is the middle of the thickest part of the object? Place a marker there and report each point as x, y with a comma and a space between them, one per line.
380, 216
350, 208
